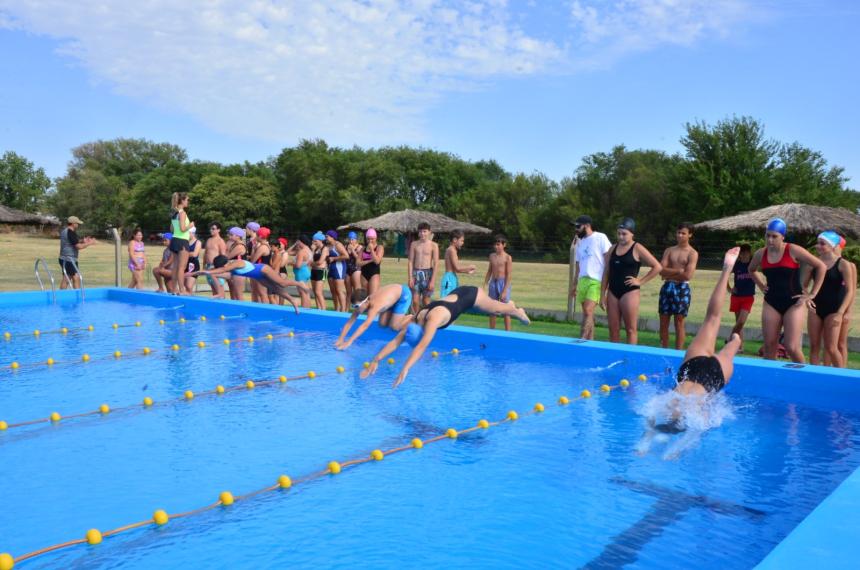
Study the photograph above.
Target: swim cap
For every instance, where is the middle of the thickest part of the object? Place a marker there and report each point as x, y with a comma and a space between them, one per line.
842, 242
264, 233
332, 234
236, 231
220, 261
167, 236
352, 235
370, 233
193, 230
413, 334
627, 224
253, 226
319, 236
305, 240
284, 242
777, 225
830, 237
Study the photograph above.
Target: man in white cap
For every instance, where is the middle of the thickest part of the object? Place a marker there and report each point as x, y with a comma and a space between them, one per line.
70, 245
590, 256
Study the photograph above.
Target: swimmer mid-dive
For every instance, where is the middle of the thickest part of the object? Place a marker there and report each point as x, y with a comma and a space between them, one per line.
703, 374
391, 303
260, 272
439, 315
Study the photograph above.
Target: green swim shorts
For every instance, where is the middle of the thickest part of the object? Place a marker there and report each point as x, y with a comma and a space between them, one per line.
588, 289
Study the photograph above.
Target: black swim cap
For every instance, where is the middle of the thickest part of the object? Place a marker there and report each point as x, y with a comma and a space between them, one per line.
627, 224
305, 240
671, 427
220, 261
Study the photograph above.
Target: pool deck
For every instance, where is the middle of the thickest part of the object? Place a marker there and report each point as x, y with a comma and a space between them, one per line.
829, 537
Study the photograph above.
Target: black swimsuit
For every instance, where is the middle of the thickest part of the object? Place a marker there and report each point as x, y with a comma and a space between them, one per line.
620, 268
466, 297
703, 370
317, 274
368, 270
783, 281
832, 292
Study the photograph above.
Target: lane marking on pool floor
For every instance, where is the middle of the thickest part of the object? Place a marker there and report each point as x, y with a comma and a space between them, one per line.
284, 482
189, 395
38, 333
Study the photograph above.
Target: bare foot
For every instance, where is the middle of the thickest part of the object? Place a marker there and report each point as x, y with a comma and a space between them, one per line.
522, 316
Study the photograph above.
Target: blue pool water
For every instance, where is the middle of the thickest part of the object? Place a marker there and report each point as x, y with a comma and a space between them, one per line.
559, 489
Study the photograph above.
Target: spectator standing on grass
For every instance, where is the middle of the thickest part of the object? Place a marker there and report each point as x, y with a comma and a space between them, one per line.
679, 263
369, 260
421, 266
591, 249
215, 246
743, 292
835, 296
453, 265
498, 278
845, 327
136, 259
70, 245
180, 227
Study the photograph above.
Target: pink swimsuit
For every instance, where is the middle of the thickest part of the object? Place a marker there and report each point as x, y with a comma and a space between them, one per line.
141, 259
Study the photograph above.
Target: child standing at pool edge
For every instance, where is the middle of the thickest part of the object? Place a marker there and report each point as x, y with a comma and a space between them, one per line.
498, 278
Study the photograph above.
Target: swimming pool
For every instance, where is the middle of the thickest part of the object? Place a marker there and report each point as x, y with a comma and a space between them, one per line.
558, 488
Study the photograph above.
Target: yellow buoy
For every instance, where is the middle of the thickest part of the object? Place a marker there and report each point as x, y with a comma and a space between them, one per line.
226, 498
585, 394
605, 388
312, 374
250, 339
377, 455
390, 361
226, 341
455, 351
14, 366
512, 415
64, 330
624, 383
94, 536
50, 361
137, 323
539, 407
282, 379
160, 518
365, 365
161, 321
219, 389
175, 347
269, 337
340, 369
146, 350
55, 417
104, 408
115, 326
452, 433
249, 384
334, 467
201, 344
91, 328
37, 332
222, 317
189, 395
563, 401
181, 320
147, 402
7, 335
417, 443
117, 354
6, 561
203, 317
291, 334
85, 357
3, 426
434, 354
284, 482
642, 378
483, 424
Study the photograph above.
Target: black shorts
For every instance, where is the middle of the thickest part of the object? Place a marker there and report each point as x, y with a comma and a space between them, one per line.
178, 244
317, 274
193, 265
70, 268
703, 370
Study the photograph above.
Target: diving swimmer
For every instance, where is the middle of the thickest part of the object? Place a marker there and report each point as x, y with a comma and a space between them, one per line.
390, 302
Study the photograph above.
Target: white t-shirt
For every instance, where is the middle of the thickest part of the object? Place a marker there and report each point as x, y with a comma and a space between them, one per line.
589, 255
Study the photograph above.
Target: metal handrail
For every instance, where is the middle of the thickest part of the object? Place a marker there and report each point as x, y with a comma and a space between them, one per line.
69, 279
50, 276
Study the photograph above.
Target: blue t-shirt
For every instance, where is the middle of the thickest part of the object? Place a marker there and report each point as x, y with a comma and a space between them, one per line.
744, 284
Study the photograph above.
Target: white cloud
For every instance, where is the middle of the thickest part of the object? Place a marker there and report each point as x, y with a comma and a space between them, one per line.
361, 71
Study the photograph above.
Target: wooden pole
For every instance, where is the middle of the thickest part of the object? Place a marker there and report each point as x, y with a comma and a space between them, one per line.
571, 278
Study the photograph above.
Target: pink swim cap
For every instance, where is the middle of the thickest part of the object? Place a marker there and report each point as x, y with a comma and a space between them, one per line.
370, 233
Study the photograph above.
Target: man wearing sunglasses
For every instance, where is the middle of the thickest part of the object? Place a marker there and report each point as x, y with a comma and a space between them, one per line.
590, 256
215, 246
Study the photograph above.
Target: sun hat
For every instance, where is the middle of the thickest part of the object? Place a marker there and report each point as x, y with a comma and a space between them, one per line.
370, 233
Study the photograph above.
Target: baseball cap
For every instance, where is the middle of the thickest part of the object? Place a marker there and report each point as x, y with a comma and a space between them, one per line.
264, 232
582, 220
75, 220
253, 226
627, 224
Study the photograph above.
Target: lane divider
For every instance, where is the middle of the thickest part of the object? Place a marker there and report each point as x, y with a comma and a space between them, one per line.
145, 351
37, 333
188, 395
285, 482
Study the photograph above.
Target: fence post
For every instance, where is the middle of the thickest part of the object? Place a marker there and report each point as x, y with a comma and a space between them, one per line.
571, 266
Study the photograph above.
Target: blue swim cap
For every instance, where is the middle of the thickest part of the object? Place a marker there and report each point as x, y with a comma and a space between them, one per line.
319, 236
776, 225
413, 334
830, 237
352, 235
167, 235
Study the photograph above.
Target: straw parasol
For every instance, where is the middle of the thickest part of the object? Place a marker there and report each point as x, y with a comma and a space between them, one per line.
800, 219
406, 221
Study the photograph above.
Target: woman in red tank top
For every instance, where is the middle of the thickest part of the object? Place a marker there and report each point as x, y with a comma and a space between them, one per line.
785, 301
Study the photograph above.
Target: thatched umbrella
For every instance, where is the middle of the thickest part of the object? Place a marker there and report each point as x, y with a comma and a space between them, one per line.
13, 216
406, 221
800, 218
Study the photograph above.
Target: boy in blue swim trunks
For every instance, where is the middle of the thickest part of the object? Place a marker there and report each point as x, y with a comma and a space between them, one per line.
390, 302
421, 267
452, 264
498, 278
679, 263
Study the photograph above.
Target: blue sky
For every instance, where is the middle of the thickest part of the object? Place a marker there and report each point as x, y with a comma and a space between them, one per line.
534, 85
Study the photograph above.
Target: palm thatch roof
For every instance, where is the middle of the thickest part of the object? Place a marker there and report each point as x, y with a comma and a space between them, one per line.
13, 216
800, 219
406, 221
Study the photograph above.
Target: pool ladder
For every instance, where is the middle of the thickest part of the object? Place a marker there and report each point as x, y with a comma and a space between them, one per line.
41, 260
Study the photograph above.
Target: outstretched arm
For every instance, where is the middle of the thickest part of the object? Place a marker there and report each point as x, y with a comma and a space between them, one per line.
417, 352
392, 345
371, 314
349, 322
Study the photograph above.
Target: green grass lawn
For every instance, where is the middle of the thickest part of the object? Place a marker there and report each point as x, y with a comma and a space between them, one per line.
535, 285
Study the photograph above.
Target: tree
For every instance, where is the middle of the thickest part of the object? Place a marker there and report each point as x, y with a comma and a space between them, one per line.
803, 176
22, 186
128, 159
99, 200
150, 198
234, 200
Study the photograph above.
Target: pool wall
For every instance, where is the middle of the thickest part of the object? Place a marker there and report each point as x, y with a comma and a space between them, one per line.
827, 536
